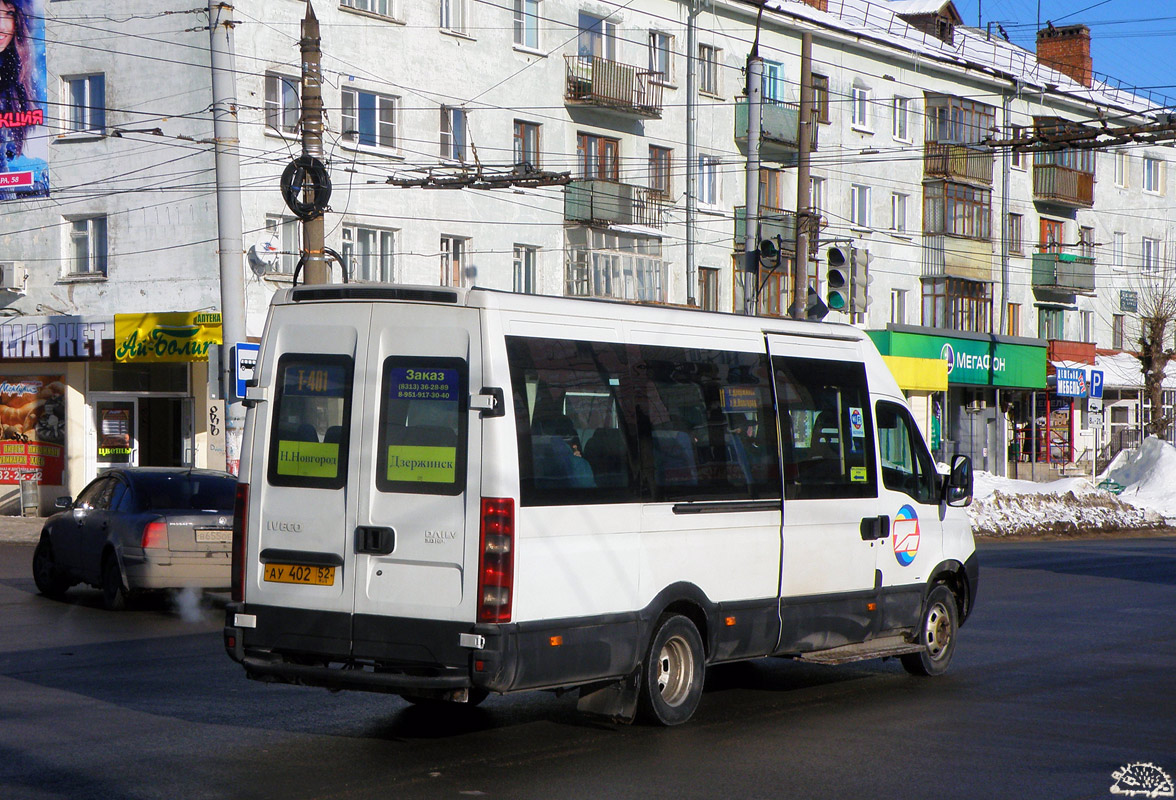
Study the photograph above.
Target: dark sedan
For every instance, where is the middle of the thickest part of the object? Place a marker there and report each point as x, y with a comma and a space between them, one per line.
140, 528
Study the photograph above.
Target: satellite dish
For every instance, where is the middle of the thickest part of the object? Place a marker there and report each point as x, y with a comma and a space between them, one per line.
263, 255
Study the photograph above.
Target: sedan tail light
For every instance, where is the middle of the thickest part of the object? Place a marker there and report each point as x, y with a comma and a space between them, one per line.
240, 537
155, 534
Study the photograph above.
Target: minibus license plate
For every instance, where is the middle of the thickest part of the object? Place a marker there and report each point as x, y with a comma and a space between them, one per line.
298, 573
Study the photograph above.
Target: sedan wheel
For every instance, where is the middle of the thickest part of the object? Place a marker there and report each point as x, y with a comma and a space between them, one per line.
46, 574
114, 593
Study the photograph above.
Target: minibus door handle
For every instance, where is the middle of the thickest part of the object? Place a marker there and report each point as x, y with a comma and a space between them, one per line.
374, 540
875, 528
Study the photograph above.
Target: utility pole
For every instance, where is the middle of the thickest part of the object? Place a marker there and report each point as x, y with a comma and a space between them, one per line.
755, 85
691, 150
313, 227
228, 218
804, 218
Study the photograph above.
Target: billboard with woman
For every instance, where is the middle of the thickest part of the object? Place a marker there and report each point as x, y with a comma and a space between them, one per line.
24, 137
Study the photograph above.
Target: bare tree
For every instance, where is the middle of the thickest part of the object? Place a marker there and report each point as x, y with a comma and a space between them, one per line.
1157, 326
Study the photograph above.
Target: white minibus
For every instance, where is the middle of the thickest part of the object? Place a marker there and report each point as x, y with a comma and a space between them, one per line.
447, 493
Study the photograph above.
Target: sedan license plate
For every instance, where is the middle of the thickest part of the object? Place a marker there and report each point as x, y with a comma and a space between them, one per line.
298, 573
214, 535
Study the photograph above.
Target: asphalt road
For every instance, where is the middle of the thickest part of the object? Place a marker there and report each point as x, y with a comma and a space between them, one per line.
1063, 676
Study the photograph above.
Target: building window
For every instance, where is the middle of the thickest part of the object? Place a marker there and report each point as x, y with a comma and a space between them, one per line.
821, 98
525, 259
526, 23
1118, 326
772, 86
86, 96
285, 230
603, 263
773, 292
1051, 323
859, 206
957, 210
1150, 254
369, 119
453, 258
598, 157
898, 302
708, 69
661, 52
1014, 319
1087, 319
859, 107
898, 212
87, 246
597, 37
901, 128
770, 189
659, 170
283, 108
454, 15
1121, 169
1086, 242
1153, 175
453, 133
1053, 233
1018, 156
1119, 250
816, 194
708, 288
708, 180
526, 144
1016, 233
369, 253
953, 120
385, 8
958, 304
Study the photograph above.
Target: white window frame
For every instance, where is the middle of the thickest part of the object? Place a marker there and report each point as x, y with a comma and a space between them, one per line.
772, 83
1154, 175
661, 56
898, 304
709, 283
384, 128
277, 109
901, 128
454, 124
88, 246
709, 78
859, 206
526, 24
596, 36
1149, 254
816, 194
454, 247
1017, 159
370, 253
85, 100
1122, 169
859, 107
898, 212
526, 269
381, 8
454, 16
709, 180
1086, 325
1119, 251
285, 229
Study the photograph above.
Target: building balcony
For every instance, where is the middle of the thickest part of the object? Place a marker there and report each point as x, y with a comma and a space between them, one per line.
1063, 271
595, 201
593, 81
779, 129
958, 162
954, 257
773, 222
1053, 183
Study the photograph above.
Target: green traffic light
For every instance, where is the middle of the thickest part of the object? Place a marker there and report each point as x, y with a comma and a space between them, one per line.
837, 301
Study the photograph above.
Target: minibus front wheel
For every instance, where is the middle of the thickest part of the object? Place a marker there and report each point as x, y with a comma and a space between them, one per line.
937, 633
672, 672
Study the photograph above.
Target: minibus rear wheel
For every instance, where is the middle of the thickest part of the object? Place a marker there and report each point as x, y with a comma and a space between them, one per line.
672, 673
937, 634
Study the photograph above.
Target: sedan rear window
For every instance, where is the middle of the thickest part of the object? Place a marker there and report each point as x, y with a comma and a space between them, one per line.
184, 492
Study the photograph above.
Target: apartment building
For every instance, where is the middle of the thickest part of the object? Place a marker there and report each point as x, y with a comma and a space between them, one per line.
585, 148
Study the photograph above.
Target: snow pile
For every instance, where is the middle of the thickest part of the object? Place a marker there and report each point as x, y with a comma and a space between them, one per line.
1007, 507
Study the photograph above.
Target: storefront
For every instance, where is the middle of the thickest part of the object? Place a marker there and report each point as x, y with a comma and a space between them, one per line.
988, 379
81, 394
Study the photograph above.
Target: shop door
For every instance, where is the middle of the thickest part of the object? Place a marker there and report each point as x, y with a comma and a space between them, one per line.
115, 433
142, 431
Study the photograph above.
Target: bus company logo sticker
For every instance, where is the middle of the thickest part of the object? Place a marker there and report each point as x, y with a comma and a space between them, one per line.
1142, 780
857, 423
906, 535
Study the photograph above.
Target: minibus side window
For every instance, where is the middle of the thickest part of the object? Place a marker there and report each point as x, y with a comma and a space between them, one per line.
576, 437
827, 424
906, 464
311, 422
706, 424
421, 447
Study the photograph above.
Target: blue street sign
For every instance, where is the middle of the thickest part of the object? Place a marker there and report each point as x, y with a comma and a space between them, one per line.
1096, 383
245, 355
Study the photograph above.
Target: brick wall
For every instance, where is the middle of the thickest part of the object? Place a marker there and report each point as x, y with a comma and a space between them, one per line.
1067, 50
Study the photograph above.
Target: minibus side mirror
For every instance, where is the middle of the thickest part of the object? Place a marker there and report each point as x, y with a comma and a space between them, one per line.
957, 485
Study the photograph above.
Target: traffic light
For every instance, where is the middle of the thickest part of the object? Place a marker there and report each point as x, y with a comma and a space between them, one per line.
837, 279
859, 270
769, 253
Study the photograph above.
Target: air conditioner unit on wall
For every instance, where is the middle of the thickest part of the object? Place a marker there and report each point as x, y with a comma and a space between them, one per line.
977, 404
13, 276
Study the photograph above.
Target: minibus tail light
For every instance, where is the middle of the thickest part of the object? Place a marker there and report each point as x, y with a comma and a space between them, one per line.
240, 515
496, 560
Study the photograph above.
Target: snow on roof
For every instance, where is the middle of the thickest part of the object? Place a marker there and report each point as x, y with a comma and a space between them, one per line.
971, 48
925, 7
